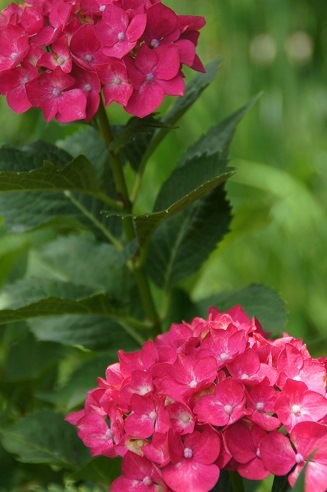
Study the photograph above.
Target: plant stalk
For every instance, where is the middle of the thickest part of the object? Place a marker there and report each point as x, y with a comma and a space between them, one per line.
128, 225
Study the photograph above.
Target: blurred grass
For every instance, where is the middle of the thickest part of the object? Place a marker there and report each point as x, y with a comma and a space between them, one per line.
279, 234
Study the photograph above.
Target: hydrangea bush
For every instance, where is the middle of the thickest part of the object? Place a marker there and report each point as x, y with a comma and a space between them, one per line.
200, 406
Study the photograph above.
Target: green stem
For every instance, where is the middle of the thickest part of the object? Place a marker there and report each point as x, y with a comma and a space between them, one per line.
237, 482
128, 224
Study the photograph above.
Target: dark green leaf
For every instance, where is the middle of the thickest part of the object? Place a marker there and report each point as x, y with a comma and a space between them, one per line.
100, 471
280, 484
218, 138
39, 297
44, 437
185, 185
73, 392
224, 483
175, 251
28, 359
78, 175
31, 157
257, 300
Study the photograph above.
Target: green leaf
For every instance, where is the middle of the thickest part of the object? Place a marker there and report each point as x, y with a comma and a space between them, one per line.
89, 143
44, 437
92, 332
224, 483
174, 251
23, 210
27, 359
183, 187
31, 156
65, 257
219, 137
41, 297
280, 484
100, 471
257, 300
73, 392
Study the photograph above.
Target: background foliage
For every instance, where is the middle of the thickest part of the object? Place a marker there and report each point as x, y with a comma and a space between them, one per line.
278, 235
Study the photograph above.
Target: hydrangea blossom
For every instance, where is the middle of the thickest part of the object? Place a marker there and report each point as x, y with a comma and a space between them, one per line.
60, 56
208, 395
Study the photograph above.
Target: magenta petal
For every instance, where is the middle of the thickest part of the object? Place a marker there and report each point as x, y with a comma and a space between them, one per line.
190, 476
136, 28
168, 64
145, 101
253, 470
277, 453
174, 87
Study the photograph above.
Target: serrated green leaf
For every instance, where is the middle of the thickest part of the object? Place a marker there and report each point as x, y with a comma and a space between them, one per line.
199, 176
34, 298
174, 251
185, 185
44, 437
219, 137
31, 156
257, 300
77, 176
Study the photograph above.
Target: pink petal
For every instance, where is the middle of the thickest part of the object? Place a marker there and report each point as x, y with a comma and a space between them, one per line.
190, 476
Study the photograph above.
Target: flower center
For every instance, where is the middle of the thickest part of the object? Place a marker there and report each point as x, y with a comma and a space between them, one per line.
258, 454
296, 409
154, 43
153, 415
149, 77
224, 356
299, 458
121, 36
147, 481
117, 81
56, 92
87, 88
244, 376
228, 409
88, 57
185, 418
13, 56
259, 406
101, 9
188, 453
193, 384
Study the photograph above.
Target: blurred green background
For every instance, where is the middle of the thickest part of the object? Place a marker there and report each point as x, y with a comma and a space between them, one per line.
279, 195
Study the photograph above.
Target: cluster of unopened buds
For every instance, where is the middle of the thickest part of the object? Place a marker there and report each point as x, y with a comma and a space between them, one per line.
60, 55
210, 395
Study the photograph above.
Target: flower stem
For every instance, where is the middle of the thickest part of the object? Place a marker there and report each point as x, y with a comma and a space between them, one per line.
128, 224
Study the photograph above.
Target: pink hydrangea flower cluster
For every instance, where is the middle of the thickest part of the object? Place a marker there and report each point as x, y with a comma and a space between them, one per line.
210, 395
60, 55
